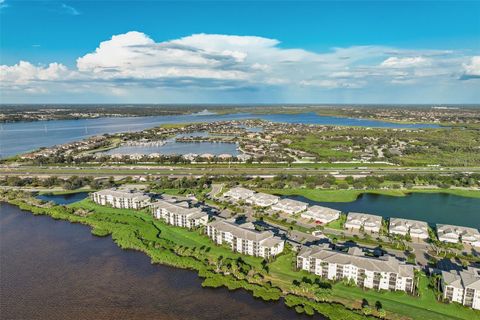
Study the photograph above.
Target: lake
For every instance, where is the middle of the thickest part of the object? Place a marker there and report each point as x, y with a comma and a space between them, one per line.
63, 199
430, 207
58, 270
20, 137
179, 148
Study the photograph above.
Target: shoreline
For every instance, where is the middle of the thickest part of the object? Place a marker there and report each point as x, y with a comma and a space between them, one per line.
139, 231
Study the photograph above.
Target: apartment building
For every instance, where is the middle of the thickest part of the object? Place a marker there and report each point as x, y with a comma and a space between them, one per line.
321, 214
262, 200
367, 222
462, 287
121, 198
416, 229
290, 206
457, 234
245, 239
179, 215
384, 273
238, 194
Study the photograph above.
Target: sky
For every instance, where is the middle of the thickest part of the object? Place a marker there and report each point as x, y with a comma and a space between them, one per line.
343, 52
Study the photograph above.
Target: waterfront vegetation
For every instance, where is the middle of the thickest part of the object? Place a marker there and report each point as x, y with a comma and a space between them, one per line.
219, 266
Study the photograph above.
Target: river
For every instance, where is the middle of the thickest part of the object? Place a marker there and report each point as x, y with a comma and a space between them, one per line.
57, 270
20, 137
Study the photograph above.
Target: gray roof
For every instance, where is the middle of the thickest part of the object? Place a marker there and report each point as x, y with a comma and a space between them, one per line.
459, 230
291, 204
263, 196
265, 237
408, 224
322, 210
469, 278
356, 258
364, 218
191, 213
319, 211
239, 192
123, 193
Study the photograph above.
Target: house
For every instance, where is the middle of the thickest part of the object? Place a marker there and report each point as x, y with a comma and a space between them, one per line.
290, 206
457, 234
462, 287
225, 156
238, 194
179, 215
244, 157
386, 272
207, 156
190, 156
367, 222
121, 198
416, 229
245, 239
262, 200
321, 214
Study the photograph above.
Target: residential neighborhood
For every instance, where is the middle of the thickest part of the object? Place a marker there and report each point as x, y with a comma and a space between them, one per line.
385, 272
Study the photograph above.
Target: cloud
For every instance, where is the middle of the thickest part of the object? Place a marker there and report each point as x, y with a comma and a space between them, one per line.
471, 69
206, 63
3, 4
70, 10
24, 72
406, 62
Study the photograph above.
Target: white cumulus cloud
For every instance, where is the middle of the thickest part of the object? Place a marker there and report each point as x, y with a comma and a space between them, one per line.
24, 72
225, 63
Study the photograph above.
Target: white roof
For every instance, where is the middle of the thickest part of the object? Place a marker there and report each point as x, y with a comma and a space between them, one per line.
356, 257
190, 213
364, 218
266, 238
123, 193
445, 229
291, 204
322, 212
399, 223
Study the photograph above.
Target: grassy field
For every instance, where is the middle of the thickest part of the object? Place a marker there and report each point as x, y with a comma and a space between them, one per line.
324, 149
352, 195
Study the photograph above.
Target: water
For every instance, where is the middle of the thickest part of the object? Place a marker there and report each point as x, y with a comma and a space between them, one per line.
20, 137
430, 207
63, 198
58, 270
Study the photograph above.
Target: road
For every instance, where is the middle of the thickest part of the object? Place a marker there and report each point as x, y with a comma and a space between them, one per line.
195, 170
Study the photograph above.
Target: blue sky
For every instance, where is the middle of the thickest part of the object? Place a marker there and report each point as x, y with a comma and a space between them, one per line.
234, 52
